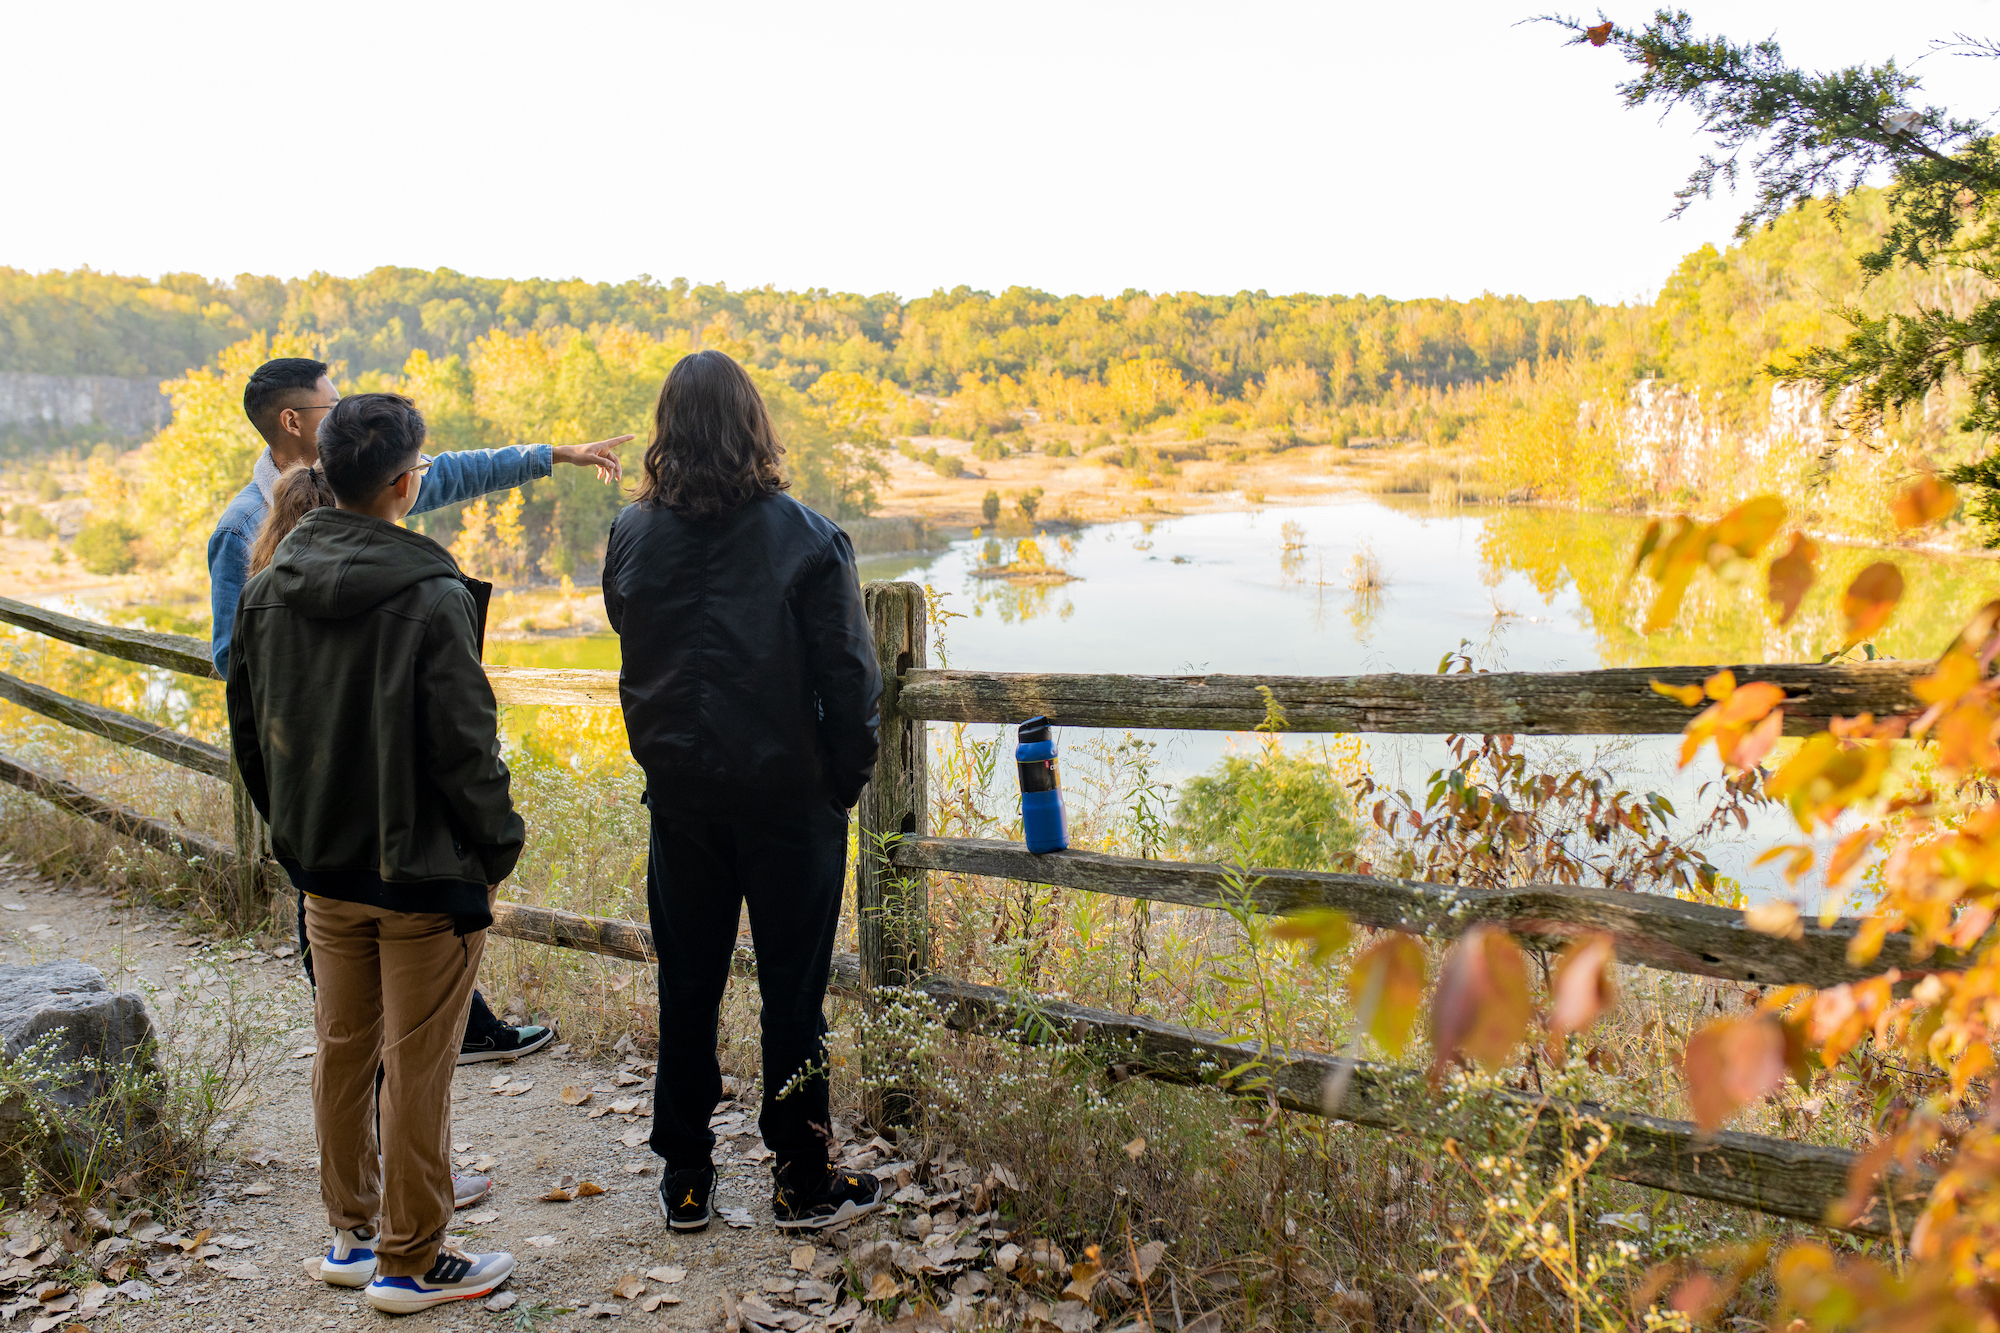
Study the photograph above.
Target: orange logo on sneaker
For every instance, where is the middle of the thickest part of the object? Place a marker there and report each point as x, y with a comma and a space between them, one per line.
689, 1201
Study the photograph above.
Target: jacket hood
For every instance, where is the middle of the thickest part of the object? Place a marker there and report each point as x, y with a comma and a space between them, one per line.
337, 563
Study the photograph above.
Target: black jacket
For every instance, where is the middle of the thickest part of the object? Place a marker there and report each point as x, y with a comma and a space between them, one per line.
749, 679
362, 720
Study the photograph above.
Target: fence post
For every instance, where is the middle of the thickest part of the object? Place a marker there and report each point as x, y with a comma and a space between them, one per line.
249, 898
892, 908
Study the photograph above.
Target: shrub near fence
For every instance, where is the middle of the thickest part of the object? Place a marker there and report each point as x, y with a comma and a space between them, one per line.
1772, 1175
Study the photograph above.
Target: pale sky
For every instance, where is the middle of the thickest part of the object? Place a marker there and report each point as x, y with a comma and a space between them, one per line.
1412, 149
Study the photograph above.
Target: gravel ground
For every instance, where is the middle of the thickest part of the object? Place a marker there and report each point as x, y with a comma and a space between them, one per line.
264, 1194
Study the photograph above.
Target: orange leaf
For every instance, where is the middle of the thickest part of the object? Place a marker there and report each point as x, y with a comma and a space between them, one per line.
1720, 685
1327, 929
1647, 543
1756, 743
1728, 1065
1599, 34
1747, 527
1848, 854
1930, 500
1955, 673
1870, 598
1392, 969
1685, 695
1673, 565
1482, 1005
1748, 703
1792, 575
1582, 988
1776, 917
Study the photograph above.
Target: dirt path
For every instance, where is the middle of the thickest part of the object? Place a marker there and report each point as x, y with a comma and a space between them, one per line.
571, 1255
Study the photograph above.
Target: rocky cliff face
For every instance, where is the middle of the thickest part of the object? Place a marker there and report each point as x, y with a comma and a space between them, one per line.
1675, 444
133, 408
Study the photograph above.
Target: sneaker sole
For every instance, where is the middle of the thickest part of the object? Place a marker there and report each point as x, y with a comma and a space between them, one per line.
702, 1225
458, 1203
413, 1303
840, 1217
346, 1277
481, 1057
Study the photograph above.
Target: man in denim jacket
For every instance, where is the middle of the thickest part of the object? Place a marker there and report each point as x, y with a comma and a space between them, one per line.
285, 400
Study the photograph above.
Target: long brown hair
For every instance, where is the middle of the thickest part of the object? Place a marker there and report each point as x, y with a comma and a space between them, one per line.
713, 448
301, 490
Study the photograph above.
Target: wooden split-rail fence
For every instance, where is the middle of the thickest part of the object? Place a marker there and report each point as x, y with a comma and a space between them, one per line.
1781, 1177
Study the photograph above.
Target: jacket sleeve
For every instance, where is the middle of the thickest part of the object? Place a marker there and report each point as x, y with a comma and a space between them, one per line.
840, 656
614, 599
243, 738
459, 728
464, 474
228, 568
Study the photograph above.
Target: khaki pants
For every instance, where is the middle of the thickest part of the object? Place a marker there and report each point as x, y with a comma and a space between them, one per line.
393, 991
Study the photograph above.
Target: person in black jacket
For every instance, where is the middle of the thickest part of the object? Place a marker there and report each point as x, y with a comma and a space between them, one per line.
751, 698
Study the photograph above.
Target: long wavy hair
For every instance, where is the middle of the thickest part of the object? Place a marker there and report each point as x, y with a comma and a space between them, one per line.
301, 490
713, 448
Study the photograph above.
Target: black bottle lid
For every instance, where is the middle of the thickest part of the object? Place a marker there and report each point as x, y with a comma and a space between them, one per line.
1033, 730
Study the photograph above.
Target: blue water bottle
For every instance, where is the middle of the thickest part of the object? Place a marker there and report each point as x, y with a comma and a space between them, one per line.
1041, 792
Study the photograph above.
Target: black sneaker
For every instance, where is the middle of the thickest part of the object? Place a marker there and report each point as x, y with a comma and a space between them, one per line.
828, 1198
487, 1038
684, 1198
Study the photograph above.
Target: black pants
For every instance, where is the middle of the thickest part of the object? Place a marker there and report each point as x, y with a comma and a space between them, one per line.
698, 876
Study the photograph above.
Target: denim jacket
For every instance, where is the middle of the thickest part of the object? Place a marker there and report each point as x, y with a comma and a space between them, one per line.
454, 476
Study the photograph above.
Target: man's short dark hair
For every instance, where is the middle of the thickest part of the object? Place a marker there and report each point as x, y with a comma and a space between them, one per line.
275, 386
367, 441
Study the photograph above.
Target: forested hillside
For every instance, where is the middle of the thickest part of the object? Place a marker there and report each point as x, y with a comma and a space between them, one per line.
1360, 347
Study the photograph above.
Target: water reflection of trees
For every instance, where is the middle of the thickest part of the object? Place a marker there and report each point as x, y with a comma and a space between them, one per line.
1724, 618
1013, 602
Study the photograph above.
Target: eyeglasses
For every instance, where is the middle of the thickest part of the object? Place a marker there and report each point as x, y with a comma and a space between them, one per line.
317, 407
423, 465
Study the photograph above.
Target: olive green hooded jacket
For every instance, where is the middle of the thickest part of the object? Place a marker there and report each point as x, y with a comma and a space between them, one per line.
363, 723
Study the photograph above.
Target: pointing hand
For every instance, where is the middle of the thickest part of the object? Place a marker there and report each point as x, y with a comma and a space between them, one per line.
603, 455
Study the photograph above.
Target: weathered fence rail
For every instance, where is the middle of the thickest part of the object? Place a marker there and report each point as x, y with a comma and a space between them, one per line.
1776, 1176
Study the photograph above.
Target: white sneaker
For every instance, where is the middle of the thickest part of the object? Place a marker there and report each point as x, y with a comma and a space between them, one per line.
469, 1189
456, 1276
351, 1260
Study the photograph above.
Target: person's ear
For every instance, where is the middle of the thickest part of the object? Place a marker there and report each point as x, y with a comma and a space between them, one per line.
402, 484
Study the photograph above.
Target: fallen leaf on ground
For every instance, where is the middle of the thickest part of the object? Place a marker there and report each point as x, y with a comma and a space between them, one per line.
558, 1195
802, 1258
304, 1051
499, 1081
575, 1096
882, 1287
243, 1272
480, 1219
633, 1137
629, 1286
588, 1188
260, 1189
603, 1310
666, 1273
1136, 1148
515, 1089
541, 1242
234, 1242
502, 1301
738, 1217
657, 1299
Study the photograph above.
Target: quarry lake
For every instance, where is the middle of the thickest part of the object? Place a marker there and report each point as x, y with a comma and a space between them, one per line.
1369, 586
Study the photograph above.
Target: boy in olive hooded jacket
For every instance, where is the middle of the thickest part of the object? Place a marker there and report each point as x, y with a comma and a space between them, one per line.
368, 737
